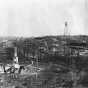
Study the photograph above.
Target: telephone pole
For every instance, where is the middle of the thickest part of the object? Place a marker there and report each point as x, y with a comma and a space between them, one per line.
65, 36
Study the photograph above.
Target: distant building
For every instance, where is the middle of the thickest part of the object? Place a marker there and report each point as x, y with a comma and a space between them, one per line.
76, 47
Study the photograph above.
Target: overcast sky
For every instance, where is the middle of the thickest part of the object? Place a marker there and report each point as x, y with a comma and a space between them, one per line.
42, 17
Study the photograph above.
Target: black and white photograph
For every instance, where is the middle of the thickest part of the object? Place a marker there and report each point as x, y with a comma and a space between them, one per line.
43, 43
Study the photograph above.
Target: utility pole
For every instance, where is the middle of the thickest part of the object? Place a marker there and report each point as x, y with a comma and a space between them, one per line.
65, 33
37, 58
65, 29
